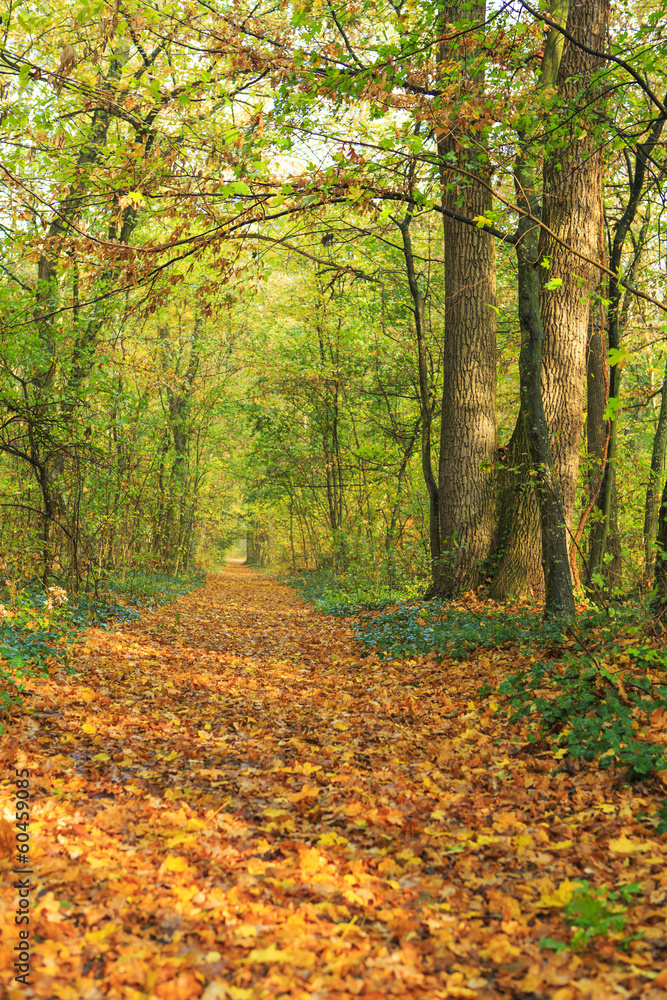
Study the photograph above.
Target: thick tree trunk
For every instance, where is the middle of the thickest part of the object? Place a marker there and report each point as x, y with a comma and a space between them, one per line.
572, 210
518, 561
535, 486
468, 436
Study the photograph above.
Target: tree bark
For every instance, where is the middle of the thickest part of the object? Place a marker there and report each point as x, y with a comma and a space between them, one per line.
468, 436
559, 599
572, 210
517, 569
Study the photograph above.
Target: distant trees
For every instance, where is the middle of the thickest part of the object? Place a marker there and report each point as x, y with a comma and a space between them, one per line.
157, 164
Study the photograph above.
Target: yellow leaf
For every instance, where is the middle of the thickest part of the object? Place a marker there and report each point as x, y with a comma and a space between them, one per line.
101, 756
98, 937
311, 860
560, 896
331, 839
500, 950
98, 861
267, 955
181, 838
623, 845
195, 824
89, 728
176, 863
173, 794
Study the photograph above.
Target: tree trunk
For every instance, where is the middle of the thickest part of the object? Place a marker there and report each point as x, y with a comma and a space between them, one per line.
559, 599
517, 567
598, 433
466, 485
425, 402
660, 597
655, 475
572, 210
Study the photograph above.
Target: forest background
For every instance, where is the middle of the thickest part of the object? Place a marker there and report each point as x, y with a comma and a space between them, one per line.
374, 290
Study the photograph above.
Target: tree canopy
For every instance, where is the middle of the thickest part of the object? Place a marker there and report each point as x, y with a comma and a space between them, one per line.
354, 283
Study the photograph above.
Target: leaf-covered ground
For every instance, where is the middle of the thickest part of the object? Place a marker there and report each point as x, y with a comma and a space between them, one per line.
230, 799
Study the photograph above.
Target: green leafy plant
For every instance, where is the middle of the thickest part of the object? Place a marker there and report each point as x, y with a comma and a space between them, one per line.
578, 699
594, 913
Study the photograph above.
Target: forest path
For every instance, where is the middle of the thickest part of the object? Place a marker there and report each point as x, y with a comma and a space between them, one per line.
230, 801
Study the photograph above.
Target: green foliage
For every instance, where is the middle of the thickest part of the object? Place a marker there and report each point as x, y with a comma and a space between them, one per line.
596, 713
594, 913
411, 628
148, 590
336, 596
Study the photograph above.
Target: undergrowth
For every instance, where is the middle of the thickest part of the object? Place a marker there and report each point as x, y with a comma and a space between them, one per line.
340, 597
37, 625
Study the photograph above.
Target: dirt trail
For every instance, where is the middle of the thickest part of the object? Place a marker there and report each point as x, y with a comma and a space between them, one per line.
229, 800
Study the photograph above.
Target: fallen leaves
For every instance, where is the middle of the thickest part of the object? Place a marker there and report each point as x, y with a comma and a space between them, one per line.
233, 802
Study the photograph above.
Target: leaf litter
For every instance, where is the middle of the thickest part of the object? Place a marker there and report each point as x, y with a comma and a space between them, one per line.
233, 800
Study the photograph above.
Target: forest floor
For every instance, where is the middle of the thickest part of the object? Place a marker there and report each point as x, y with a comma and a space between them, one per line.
230, 798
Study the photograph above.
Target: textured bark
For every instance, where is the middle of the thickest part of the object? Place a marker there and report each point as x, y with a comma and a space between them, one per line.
536, 486
598, 431
572, 210
529, 524
558, 596
468, 437
518, 559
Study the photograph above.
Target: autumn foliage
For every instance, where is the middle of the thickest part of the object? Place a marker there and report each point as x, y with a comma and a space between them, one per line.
232, 799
